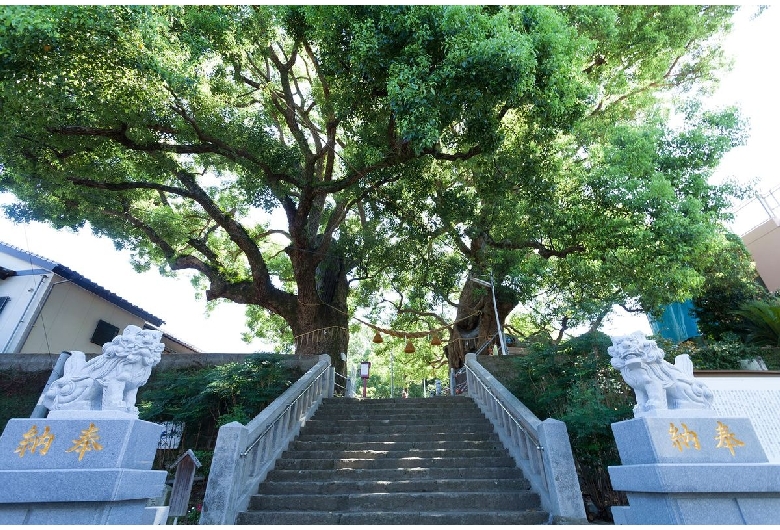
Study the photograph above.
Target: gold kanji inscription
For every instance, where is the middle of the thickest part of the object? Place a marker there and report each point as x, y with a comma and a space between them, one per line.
32, 441
684, 438
727, 438
88, 441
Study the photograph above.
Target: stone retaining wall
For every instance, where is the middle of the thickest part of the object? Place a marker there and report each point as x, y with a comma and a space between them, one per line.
37, 362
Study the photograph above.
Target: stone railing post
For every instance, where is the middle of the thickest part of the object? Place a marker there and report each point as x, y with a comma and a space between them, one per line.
225, 474
565, 497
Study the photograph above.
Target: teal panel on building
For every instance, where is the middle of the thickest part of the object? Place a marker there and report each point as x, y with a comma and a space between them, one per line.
676, 322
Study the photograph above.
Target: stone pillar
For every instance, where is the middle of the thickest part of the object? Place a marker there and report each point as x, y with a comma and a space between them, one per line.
679, 469
683, 462
90, 468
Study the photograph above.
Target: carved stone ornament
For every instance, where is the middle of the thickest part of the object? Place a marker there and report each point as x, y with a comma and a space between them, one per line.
110, 381
662, 389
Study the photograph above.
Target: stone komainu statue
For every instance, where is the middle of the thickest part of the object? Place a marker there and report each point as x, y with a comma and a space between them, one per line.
658, 384
109, 381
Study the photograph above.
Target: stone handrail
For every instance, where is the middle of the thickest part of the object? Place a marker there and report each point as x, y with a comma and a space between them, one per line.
244, 454
540, 448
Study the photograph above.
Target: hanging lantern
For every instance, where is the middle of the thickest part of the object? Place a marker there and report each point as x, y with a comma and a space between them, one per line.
378, 338
409, 347
435, 339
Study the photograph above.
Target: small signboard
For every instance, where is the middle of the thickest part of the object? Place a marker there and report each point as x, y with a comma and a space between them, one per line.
365, 366
171, 436
185, 466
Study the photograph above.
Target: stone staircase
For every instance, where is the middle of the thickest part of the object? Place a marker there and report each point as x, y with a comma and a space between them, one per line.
395, 461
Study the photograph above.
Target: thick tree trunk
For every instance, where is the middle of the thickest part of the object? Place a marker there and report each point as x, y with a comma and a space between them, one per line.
323, 330
321, 321
476, 322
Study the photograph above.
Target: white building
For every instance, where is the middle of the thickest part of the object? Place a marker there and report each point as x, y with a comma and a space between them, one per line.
757, 221
46, 307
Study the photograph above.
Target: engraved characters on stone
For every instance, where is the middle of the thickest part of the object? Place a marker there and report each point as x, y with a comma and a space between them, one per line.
88, 441
684, 438
33, 442
726, 438
688, 439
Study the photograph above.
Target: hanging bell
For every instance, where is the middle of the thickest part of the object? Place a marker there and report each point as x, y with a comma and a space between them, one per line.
409, 347
435, 339
378, 338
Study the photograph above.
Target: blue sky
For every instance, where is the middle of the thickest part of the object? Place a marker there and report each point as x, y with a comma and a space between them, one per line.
754, 45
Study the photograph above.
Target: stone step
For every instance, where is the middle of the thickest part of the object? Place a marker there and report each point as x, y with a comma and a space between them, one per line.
371, 454
414, 437
398, 417
411, 405
402, 501
394, 463
397, 474
347, 426
317, 444
527, 517
438, 401
332, 486
395, 415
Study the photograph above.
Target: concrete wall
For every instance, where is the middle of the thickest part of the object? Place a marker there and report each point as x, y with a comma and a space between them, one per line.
763, 242
752, 394
33, 362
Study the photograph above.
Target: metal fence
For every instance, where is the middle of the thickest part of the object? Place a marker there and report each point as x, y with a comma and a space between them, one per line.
756, 211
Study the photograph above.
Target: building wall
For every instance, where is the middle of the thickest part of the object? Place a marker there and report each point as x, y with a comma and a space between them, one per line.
42, 312
24, 294
69, 317
173, 346
763, 242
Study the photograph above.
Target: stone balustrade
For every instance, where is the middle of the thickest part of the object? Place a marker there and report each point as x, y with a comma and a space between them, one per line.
244, 454
540, 448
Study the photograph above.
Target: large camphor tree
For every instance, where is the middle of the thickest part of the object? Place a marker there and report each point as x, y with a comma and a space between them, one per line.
267, 148
613, 209
170, 128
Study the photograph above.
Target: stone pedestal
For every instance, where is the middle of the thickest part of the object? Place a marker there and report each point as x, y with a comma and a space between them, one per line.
694, 470
91, 469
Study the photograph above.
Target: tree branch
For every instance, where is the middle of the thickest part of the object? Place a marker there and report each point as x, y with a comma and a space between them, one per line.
541, 249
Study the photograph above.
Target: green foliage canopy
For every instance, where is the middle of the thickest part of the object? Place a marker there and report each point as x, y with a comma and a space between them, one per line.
611, 206
731, 280
206, 398
382, 137
170, 128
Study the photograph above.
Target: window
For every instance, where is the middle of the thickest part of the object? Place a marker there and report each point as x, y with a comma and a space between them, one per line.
6, 273
104, 332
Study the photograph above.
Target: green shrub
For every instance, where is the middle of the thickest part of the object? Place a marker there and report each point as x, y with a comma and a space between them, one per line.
722, 355
762, 322
19, 393
206, 398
